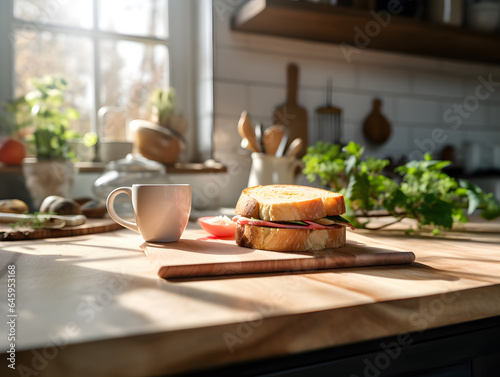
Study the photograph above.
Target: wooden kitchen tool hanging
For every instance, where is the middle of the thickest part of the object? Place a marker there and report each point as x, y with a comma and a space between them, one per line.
291, 115
329, 118
376, 127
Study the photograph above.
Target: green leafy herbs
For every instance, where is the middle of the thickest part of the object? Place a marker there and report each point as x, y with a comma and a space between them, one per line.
33, 221
45, 109
338, 219
421, 190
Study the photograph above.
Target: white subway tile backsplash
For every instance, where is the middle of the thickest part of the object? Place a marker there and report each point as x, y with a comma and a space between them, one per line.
383, 80
226, 137
399, 139
417, 111
352, 132
312, 99
238, 170
316, 73
387, 59
356, 107
471, 113
427, 140
437, 85
465, 69
263, 100
487, 139
248, 66
230, 99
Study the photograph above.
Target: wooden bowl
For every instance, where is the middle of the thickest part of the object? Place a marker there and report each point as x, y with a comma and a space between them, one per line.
156, 143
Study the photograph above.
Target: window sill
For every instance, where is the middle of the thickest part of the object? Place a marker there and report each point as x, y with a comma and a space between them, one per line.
98, 167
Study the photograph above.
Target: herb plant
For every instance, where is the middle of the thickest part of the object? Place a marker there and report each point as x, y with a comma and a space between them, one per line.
420, 190
44, 109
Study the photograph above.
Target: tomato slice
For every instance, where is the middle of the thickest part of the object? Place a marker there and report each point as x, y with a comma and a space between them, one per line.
218, 226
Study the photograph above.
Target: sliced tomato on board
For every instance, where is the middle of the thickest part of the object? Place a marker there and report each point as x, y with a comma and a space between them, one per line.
218, 226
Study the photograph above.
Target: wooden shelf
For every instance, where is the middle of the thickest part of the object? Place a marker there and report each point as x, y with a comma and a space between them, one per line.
98, 167
336, 24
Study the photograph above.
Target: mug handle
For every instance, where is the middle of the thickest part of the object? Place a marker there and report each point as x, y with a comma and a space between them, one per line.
111, 209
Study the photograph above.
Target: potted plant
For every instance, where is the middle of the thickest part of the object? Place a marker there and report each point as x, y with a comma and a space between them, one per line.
43, 116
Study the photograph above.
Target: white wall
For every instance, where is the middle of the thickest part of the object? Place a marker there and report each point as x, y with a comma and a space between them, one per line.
250, 74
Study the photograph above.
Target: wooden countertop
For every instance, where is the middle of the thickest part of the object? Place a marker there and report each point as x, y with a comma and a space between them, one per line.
94, 303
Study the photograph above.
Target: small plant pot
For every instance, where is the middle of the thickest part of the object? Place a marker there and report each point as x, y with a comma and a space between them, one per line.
45, 178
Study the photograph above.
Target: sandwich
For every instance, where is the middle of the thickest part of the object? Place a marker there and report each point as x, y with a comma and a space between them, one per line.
290, 218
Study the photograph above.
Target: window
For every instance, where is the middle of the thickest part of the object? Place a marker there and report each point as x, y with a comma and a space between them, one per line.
113, 53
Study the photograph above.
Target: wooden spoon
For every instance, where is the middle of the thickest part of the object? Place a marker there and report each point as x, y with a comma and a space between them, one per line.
246, 130
295, 147
272, 138
246, 145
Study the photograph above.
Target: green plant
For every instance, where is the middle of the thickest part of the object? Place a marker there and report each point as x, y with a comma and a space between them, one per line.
423, 191
163, 103
35, 220
46, 113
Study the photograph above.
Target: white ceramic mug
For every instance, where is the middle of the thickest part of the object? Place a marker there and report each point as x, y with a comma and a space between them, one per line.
161, 211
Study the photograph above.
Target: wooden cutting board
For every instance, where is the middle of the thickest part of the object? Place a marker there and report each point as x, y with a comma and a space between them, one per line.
91, 226
291, 115
199, 254
376, 127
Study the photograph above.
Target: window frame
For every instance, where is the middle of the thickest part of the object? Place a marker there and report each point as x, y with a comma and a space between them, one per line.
181, 59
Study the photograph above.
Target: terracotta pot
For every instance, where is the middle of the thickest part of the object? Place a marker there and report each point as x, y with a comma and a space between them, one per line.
45, 178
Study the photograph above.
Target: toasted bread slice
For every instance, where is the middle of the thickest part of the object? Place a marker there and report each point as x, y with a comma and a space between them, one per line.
289, 203
280, 239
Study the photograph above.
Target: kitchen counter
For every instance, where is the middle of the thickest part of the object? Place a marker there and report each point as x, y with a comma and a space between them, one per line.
93, 306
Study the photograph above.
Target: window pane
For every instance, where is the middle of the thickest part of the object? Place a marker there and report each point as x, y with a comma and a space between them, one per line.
77, 13
134, 17
42, 53
129, 72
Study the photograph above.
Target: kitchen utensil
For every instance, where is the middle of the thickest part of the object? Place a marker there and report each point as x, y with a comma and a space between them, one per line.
267, 170
291, 115
329, 117
196, 254
376, 128
259, 137
272, 138
246, 130
294, 148
161, 212
91, 226
283, 144
246, 145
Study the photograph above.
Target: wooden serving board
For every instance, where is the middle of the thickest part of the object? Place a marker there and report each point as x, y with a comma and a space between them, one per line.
198, 254
91, 226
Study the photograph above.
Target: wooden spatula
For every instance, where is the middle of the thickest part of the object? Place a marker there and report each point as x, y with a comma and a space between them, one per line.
376, 127
291, 115
246, 130
272, 138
